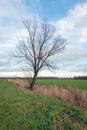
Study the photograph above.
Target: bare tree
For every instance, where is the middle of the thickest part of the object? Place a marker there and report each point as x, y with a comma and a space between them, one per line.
36, 48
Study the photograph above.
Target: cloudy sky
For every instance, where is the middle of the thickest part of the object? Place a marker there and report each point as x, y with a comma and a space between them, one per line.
70, 19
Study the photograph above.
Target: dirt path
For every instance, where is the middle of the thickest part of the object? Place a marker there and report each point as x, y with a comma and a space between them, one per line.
74, 97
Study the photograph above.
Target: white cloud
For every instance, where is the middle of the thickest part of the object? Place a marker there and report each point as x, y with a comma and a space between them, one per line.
74, 26
82, 40
44, 73
72, 53
11, 14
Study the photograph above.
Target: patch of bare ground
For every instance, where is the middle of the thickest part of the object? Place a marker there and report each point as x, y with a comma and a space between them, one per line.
74, 97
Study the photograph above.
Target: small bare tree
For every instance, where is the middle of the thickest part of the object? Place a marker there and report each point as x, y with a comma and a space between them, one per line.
38, 46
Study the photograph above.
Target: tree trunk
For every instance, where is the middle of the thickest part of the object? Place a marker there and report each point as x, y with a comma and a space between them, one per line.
31, 87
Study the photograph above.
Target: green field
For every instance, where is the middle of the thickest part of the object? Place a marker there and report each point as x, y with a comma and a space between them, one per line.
65, 83
24, 110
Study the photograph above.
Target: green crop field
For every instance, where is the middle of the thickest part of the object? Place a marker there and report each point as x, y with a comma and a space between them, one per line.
65, 83
24, 110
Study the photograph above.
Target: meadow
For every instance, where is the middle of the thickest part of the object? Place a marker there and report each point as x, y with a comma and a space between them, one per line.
63, 83
25, 110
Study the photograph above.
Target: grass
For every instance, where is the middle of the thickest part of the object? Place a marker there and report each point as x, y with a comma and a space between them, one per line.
22, 110
65, 83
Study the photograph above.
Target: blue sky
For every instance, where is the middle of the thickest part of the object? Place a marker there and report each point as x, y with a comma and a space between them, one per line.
56, 9
70, 19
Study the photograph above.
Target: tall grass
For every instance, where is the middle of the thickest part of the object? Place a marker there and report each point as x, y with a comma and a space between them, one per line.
75, 97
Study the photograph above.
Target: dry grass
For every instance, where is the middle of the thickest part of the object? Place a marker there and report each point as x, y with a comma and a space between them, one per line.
74, 97
19, 83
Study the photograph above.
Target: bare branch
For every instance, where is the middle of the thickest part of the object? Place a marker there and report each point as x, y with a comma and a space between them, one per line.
40, 44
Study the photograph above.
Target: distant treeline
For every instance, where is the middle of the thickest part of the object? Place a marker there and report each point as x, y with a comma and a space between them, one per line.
80, 77
75, 77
